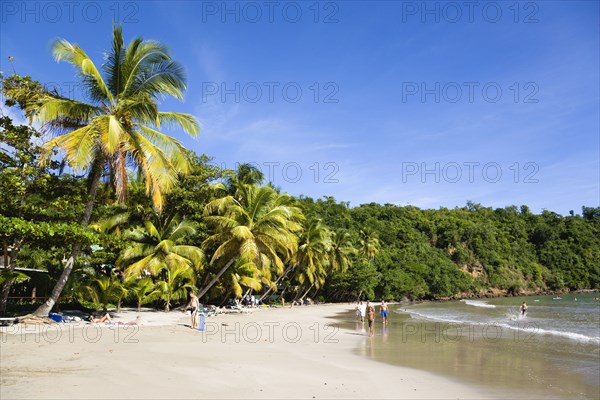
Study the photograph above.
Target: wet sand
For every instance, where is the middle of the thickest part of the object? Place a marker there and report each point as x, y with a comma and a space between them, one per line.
505, 363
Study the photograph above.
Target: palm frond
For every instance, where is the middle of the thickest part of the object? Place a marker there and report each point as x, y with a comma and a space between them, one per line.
52, 108
186, 121
72, 53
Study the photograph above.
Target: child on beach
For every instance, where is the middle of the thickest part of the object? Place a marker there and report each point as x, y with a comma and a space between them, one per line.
370, 317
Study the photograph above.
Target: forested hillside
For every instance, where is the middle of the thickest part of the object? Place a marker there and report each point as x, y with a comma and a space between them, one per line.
466, 251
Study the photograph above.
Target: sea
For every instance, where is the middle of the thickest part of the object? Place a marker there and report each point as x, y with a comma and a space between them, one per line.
551, 352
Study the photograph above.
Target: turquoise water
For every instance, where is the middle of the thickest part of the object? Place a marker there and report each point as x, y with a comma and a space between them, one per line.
551, 352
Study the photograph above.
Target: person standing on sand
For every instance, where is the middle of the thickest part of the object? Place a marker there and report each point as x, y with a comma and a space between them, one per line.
370, 317
384, 312
523, 309
194, 307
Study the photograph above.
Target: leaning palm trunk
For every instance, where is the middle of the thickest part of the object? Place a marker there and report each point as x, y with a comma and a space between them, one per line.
214, 280
307, 290
314, 296
95, 174
270, 289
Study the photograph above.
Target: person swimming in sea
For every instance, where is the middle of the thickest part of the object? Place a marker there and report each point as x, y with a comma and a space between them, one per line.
523, 309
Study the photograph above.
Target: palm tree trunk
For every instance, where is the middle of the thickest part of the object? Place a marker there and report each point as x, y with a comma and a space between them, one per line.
308, 290
314, 296
214, 280
287, 270
95, 175
225, 297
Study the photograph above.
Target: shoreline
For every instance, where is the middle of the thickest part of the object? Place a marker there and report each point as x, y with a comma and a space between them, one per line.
494, 293
484, 348
295, 352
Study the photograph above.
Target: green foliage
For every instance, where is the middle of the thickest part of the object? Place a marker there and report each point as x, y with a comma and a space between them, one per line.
100, 289
44, 234
359, 281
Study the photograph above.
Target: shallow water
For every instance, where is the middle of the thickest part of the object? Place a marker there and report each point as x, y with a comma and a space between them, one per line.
551, 352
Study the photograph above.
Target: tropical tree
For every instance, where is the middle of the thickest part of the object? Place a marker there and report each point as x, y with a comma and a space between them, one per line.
312, 257
160, 245
160, 250
369, 244
118, 128
29, 193
341, 250
143, 291
256, 226
246, 174
102, 289
175, 283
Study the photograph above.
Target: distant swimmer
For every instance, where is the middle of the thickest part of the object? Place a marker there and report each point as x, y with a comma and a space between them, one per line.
523, 308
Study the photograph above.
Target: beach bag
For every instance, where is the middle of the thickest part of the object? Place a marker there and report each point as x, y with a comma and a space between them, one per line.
55, 317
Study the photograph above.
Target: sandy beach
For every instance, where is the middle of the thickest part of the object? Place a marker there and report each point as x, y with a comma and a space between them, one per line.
269, 353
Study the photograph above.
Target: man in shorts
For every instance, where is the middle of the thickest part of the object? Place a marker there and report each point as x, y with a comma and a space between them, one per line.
384, 311
194, 307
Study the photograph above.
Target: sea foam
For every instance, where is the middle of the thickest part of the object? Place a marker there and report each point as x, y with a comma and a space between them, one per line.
478, 303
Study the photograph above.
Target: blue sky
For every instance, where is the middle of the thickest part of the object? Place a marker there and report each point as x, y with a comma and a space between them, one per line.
424, 103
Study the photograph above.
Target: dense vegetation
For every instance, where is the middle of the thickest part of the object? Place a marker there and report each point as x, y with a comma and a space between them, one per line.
153, 230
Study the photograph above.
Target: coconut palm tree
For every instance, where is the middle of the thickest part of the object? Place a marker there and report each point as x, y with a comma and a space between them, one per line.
246, 174
143, 291
257, 227
341, 250
312, 257
160, 246
102, 289
118, 129
369, 244
175, 283
160, 250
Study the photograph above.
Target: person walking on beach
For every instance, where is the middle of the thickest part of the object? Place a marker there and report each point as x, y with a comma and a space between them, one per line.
194, 307
370, 317
363, 311
384, 312
523, 309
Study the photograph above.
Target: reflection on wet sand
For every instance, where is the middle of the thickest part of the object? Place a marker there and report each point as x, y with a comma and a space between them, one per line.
518, 366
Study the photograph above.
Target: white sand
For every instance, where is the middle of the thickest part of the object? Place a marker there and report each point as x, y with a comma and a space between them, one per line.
271, 353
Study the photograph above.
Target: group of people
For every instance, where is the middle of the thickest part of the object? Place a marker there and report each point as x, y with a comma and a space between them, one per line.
250, 301
368, 310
